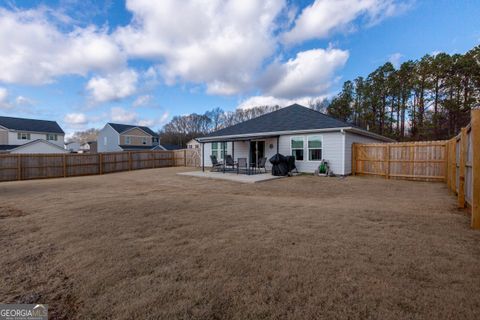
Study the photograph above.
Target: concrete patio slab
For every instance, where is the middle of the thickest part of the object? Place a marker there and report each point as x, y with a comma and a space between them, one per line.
243, 178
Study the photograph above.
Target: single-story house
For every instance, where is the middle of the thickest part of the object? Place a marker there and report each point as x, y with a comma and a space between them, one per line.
89, 147
310, 136
20, 135
73, 146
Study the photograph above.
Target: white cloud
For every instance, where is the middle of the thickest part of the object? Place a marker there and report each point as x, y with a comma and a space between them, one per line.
19, 103
323, 17
122, 115
221, 44
310, 73
142, 101
23, 101
75, 119
395, 59
4, 103
112, 87
35, 51
118, 114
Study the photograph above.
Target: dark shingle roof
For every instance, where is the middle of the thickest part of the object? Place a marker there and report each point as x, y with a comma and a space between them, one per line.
30, 125
133, 148
294, 117
124, 127
172, 146
6, 147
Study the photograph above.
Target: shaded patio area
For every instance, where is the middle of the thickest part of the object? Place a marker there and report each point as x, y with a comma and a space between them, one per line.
230, 176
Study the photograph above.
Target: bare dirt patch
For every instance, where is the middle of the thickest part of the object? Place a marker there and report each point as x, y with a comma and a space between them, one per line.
151, 244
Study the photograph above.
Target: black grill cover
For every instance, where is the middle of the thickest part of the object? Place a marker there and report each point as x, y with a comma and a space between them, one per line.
291, 163
279, 165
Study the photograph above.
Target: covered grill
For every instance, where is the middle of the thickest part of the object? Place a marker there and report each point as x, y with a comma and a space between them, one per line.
279, 165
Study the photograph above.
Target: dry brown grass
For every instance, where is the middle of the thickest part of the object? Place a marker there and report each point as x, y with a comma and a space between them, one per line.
150, 244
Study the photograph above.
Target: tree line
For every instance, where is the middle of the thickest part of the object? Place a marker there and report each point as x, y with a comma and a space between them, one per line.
182, 129
425, 99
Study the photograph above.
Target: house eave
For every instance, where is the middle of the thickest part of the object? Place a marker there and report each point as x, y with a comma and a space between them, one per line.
289, 132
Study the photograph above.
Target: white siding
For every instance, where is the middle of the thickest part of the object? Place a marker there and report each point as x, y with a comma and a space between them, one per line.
332, 151
73, 146
13, 138
354, 138
108, 140
39, 147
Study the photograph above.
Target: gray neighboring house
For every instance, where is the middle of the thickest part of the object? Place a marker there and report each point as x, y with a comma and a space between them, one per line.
73, 146
115, 137
19, 135
295, 130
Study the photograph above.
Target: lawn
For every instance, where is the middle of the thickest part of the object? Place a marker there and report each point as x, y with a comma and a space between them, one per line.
151, 244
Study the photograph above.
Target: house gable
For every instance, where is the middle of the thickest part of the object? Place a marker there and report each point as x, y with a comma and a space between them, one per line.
38, 146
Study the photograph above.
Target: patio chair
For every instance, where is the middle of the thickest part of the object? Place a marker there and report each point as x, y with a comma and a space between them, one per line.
242, 163
261, 164
215, 164
229, 162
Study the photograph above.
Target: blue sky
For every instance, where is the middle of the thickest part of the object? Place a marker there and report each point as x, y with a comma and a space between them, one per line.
84, 63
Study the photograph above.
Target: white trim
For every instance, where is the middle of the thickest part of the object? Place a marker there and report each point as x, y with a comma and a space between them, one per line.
303, 148
38, 141
308, 148
123, 132
290, 132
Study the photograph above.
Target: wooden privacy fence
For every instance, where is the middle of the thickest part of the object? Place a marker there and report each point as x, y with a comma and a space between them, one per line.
455, 162
42, 166
463, 174
425, 161
187, 158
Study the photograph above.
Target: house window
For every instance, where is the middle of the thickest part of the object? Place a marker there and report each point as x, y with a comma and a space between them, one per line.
104, 141
144, 140
315, 148
23, 136
52, 137
154, 140
296, 144
218, 149
128, 140
215, 149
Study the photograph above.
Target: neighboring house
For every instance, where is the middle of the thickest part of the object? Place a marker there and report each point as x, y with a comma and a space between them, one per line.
171, 147
116, 137
18, 135
73, 146
295, 130
193, 144
89, 147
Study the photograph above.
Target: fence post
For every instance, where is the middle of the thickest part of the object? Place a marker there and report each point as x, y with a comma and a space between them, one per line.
387, 159
64, 165
129, 160
461, 168
19, 167
184, 157
447, 162
153, 158
354, 159
453, 165
475, 135
100, 165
